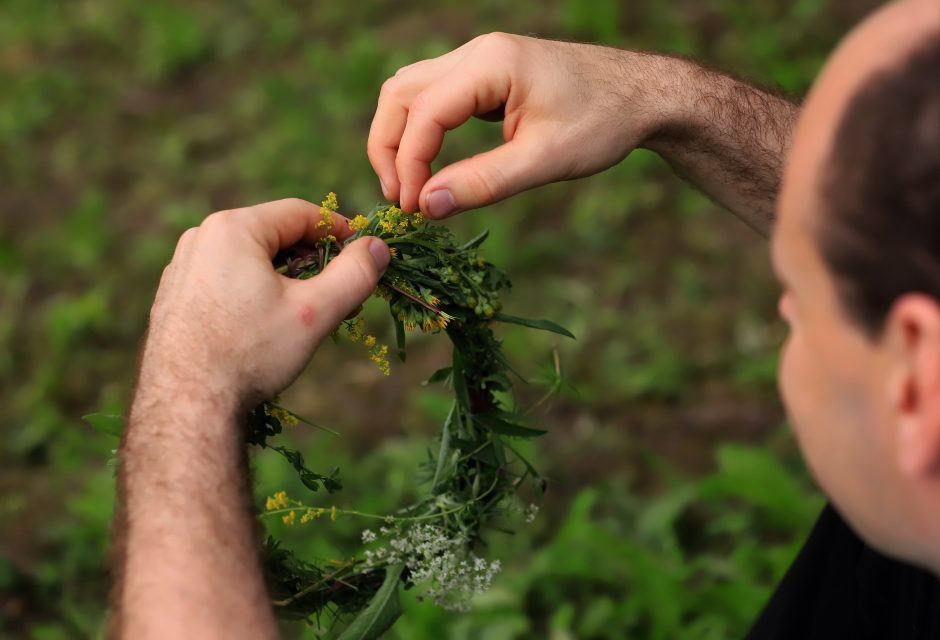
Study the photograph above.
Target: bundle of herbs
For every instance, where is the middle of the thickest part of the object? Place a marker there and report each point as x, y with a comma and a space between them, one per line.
434, 285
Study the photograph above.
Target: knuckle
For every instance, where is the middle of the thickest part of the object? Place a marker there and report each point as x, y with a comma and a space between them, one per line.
215, 221
220, 220
403, 166
374, 151
297, 203
186, 237
498, 41
390, 87
420, 106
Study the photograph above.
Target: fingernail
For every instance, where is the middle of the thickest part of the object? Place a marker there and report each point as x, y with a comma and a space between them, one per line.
441, 203
380, 254
384, 190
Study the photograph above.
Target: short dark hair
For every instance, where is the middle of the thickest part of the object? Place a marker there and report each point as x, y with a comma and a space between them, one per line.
880, 235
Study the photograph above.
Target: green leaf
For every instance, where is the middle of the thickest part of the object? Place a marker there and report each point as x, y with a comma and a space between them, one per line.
495, 424
108, 423
477, 241
544, 325
460, 382
381, 613
400, 337
444, 451
439, 376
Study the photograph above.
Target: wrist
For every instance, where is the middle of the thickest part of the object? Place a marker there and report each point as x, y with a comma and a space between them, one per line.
179, 411
670, 96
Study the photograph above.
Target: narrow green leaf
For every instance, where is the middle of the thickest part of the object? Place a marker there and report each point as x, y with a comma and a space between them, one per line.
544, 325
381, 613
106, 423
444, 451
460, 382
502, 427
400, 337
477, 241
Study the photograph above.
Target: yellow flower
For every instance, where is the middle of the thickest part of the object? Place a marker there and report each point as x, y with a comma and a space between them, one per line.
354, 329
310, 514
369, 341
285, 417
359, 223
327, 207
278, 501
379, 356
288, 518
393, 252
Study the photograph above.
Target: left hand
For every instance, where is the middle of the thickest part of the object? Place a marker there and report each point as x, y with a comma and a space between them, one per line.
225, 324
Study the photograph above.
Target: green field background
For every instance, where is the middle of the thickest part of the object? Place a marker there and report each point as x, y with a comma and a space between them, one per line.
676, 495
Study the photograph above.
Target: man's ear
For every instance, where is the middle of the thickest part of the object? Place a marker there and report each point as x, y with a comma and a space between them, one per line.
912, 336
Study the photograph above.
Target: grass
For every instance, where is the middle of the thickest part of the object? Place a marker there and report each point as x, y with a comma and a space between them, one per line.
123, 123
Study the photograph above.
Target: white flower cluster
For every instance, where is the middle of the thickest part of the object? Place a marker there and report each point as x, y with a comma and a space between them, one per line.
452, 574
530, 512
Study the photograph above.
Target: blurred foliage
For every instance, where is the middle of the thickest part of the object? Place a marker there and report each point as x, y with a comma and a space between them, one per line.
124, 122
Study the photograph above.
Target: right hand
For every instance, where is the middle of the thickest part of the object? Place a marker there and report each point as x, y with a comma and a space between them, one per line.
569, 110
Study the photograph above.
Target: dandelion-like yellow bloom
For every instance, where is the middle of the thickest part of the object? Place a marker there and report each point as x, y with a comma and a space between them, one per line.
288, 518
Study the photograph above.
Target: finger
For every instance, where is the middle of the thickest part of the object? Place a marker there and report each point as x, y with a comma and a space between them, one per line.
283, 223
388, 123
338, 290
488, 177
443, 106
391, 113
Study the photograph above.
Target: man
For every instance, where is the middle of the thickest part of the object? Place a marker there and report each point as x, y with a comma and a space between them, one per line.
856, 244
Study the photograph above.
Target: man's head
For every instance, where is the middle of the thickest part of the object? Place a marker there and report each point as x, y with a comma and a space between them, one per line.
857, 246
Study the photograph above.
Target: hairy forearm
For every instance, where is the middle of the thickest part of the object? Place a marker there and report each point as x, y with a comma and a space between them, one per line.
725, 136
186, 553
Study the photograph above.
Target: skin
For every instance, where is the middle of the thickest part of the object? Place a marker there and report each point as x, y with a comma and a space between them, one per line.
866, 412
227, 331
863, 410
571, 110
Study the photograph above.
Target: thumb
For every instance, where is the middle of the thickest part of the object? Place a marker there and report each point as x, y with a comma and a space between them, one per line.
345, 283
487, 178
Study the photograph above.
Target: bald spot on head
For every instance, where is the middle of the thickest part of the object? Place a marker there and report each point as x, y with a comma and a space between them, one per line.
879, 43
